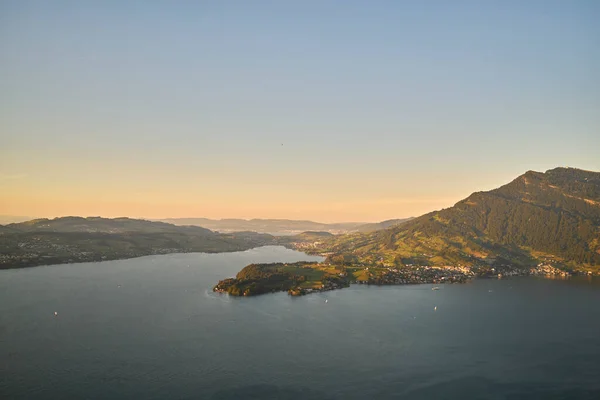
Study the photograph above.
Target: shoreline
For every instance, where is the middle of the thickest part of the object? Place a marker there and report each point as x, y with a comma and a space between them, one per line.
294, 293
4, 267
300, 279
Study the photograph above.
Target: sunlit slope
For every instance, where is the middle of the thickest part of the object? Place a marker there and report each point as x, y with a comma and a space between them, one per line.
536, 216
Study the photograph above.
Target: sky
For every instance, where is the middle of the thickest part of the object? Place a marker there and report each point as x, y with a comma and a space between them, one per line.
323, 110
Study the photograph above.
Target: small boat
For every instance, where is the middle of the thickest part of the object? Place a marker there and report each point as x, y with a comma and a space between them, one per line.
435, 308
326, 300
435, 288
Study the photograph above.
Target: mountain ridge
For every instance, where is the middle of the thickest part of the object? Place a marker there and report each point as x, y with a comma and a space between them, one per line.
100, 224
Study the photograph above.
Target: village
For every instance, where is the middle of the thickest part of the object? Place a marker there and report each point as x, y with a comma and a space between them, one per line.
411, 275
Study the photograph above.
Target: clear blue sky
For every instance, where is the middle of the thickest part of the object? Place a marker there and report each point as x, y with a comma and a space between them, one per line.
327, 110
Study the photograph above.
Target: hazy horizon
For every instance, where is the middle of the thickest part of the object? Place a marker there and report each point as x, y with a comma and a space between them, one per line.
20, 218
14, 218
329, 112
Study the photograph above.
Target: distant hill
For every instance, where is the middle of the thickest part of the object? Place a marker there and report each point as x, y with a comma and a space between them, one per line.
375, 226
265, 225
102, 225
309, 236
316, 234
539, 217
77, 239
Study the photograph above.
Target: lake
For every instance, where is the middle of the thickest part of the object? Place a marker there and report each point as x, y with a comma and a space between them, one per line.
151, 328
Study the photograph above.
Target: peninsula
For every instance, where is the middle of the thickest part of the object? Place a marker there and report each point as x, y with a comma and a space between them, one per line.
77, 239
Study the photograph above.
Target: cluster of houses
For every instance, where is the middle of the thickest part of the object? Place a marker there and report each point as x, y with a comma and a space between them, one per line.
548, 270
415, 275
305, 245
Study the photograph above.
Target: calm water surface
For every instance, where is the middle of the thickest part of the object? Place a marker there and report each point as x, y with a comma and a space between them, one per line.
150, 328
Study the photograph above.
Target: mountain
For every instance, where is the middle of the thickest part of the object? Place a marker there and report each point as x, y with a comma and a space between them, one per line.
551, 217
381, 225
265, 225
77, 239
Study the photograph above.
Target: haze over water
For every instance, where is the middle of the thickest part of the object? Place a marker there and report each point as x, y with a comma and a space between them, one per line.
152, 328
